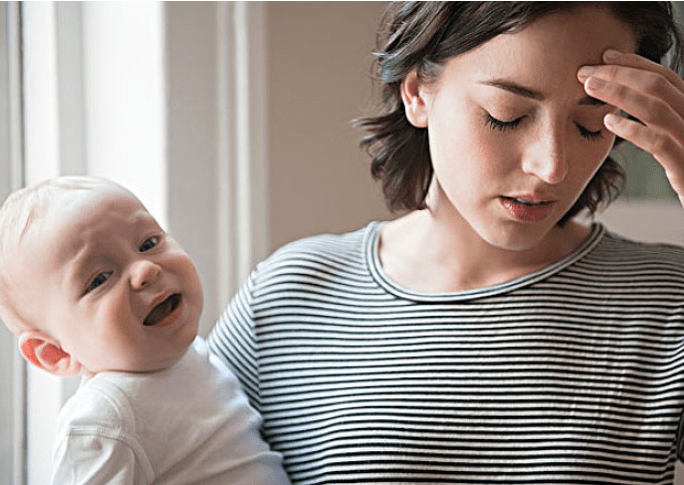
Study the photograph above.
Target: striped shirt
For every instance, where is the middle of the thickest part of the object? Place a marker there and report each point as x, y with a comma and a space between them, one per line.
571, 375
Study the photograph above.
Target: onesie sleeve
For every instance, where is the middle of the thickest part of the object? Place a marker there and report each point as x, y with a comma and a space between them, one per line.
233, 340
90, 458
94, 444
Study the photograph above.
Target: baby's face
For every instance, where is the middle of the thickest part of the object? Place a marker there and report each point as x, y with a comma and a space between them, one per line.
115, 290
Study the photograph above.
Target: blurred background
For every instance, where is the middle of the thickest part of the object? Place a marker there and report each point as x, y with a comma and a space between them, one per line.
231, 122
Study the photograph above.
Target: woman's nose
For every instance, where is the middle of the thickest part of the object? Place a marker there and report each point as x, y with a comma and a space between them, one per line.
144, 273
547, 159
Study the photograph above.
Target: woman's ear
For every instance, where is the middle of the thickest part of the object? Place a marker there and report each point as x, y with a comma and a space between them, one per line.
44, 352
414, 101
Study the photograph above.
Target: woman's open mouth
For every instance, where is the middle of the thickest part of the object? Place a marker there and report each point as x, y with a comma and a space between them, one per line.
526, 210
163, 310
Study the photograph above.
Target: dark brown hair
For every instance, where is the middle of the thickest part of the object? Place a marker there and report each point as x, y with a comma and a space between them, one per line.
424, 35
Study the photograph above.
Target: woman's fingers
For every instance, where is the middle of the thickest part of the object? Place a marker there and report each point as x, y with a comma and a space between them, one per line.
611, 57
648, 95
652, 94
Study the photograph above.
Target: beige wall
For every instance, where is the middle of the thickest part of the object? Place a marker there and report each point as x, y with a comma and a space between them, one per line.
319, 57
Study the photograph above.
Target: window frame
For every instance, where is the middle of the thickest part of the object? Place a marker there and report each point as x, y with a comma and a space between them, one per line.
13, 402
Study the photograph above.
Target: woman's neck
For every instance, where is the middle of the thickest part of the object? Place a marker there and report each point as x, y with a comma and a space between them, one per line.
427, 252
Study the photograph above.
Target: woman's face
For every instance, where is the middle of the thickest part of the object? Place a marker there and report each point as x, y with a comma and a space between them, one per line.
514, 138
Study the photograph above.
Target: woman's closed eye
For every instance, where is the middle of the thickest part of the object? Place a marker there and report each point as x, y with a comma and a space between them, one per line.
500, 125
588, 134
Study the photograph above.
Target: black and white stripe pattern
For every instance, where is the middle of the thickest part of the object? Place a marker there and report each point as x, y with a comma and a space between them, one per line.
572, 375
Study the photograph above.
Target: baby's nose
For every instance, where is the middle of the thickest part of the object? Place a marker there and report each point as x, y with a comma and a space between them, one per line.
144, 273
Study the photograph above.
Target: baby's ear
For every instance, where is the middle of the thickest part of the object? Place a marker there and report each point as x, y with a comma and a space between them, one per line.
44, 352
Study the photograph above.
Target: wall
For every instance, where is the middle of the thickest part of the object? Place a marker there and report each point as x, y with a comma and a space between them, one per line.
319, 57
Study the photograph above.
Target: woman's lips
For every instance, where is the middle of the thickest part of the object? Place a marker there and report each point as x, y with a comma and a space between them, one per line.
527, 209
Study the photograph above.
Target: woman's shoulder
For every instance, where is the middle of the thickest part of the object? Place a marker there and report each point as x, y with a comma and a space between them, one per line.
346, 250
328, 242
616, 253
621, 247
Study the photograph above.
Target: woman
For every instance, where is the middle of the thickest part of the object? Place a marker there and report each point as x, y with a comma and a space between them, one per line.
486, 336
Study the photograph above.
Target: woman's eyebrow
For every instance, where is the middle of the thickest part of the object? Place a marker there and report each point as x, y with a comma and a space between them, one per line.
525, 92
514, 88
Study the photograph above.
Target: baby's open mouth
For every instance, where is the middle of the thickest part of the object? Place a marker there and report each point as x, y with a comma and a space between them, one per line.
160, 311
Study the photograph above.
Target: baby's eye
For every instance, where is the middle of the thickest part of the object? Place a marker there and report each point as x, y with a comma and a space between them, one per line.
97, 281
149, 244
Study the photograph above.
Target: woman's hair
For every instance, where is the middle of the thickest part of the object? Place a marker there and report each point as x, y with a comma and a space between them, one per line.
425, 35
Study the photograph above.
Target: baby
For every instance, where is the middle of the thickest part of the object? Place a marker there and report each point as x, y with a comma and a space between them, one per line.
91, 285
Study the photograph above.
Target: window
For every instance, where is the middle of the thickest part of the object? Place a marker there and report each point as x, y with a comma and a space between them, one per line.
12, 397
112, 89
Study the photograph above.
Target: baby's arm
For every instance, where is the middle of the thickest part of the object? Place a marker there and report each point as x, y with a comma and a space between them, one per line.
88, 457
96, 443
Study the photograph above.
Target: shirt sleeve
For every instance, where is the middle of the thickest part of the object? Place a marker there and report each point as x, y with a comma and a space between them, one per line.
95, 443
93, 458
233, 340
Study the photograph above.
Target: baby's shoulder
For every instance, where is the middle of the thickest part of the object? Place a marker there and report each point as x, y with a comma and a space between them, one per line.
97, 405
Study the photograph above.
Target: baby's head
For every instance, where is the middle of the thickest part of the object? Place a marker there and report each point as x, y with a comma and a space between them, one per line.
89, 282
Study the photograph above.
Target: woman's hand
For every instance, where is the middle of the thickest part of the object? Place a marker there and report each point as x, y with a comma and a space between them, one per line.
651, 93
